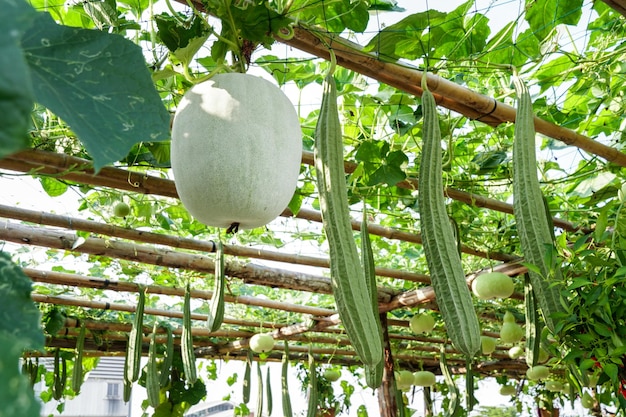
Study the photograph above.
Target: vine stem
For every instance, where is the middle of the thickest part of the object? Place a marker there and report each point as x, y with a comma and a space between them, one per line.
333, 62
237, 49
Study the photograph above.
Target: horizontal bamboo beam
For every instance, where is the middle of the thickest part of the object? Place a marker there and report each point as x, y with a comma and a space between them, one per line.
73, 223
515, 369
425, 296
129, 308
248, 273
470, 199
79, 170
81, 281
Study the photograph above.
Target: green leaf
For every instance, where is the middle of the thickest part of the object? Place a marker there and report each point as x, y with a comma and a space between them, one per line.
137, 6
593, 184
16, 395
379, 164
193, 394
611, 370
257, 22
554, 72
433, 34
489, 160
544, 15
385, 5
459, 36
404, 39
295, 203
52, 186
335, 16
70, 16
99, 84
504, 49
103, 13
183, 41
19, 317
300, 71
354, 15
16, 96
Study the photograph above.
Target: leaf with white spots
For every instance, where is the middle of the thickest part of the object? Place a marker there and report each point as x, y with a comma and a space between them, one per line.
16, 100
99, 84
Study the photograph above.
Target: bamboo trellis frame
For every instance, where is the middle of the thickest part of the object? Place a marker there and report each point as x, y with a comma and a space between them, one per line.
324, 319
349, 55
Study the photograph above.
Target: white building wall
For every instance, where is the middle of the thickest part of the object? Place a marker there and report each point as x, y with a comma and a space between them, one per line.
100, 394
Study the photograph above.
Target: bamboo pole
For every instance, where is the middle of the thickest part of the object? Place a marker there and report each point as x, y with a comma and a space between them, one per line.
91, 226
50, 238
81, 281
67, 166
248, 273
207, 348
128, 308
118, 349
470, 199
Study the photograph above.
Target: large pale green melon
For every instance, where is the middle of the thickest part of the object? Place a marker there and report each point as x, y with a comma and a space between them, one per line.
236, 151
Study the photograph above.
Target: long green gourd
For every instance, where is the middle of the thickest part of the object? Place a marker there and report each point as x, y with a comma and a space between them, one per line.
59, 375
77, 372
440, 246
373, 373
186, 341
284, 384
216, 308
350, 287
268, 391
133, 363
259, 397
128, 384
168, 357
453, 391
533, 325
530, 213
153, 386
313, 393
247, 378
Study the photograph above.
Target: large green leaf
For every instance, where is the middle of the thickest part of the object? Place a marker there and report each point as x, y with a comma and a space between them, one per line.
16, 395
335, 16
19, 318
406, 39
544, 15
16, 97
183, 41
433, 34
99, 84
20, 329
380, 165
461, 34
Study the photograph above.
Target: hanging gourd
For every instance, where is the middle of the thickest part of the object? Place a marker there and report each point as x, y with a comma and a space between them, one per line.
236, 151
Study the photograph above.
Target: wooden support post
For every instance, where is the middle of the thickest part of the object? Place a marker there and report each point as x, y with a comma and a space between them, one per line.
387, 391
